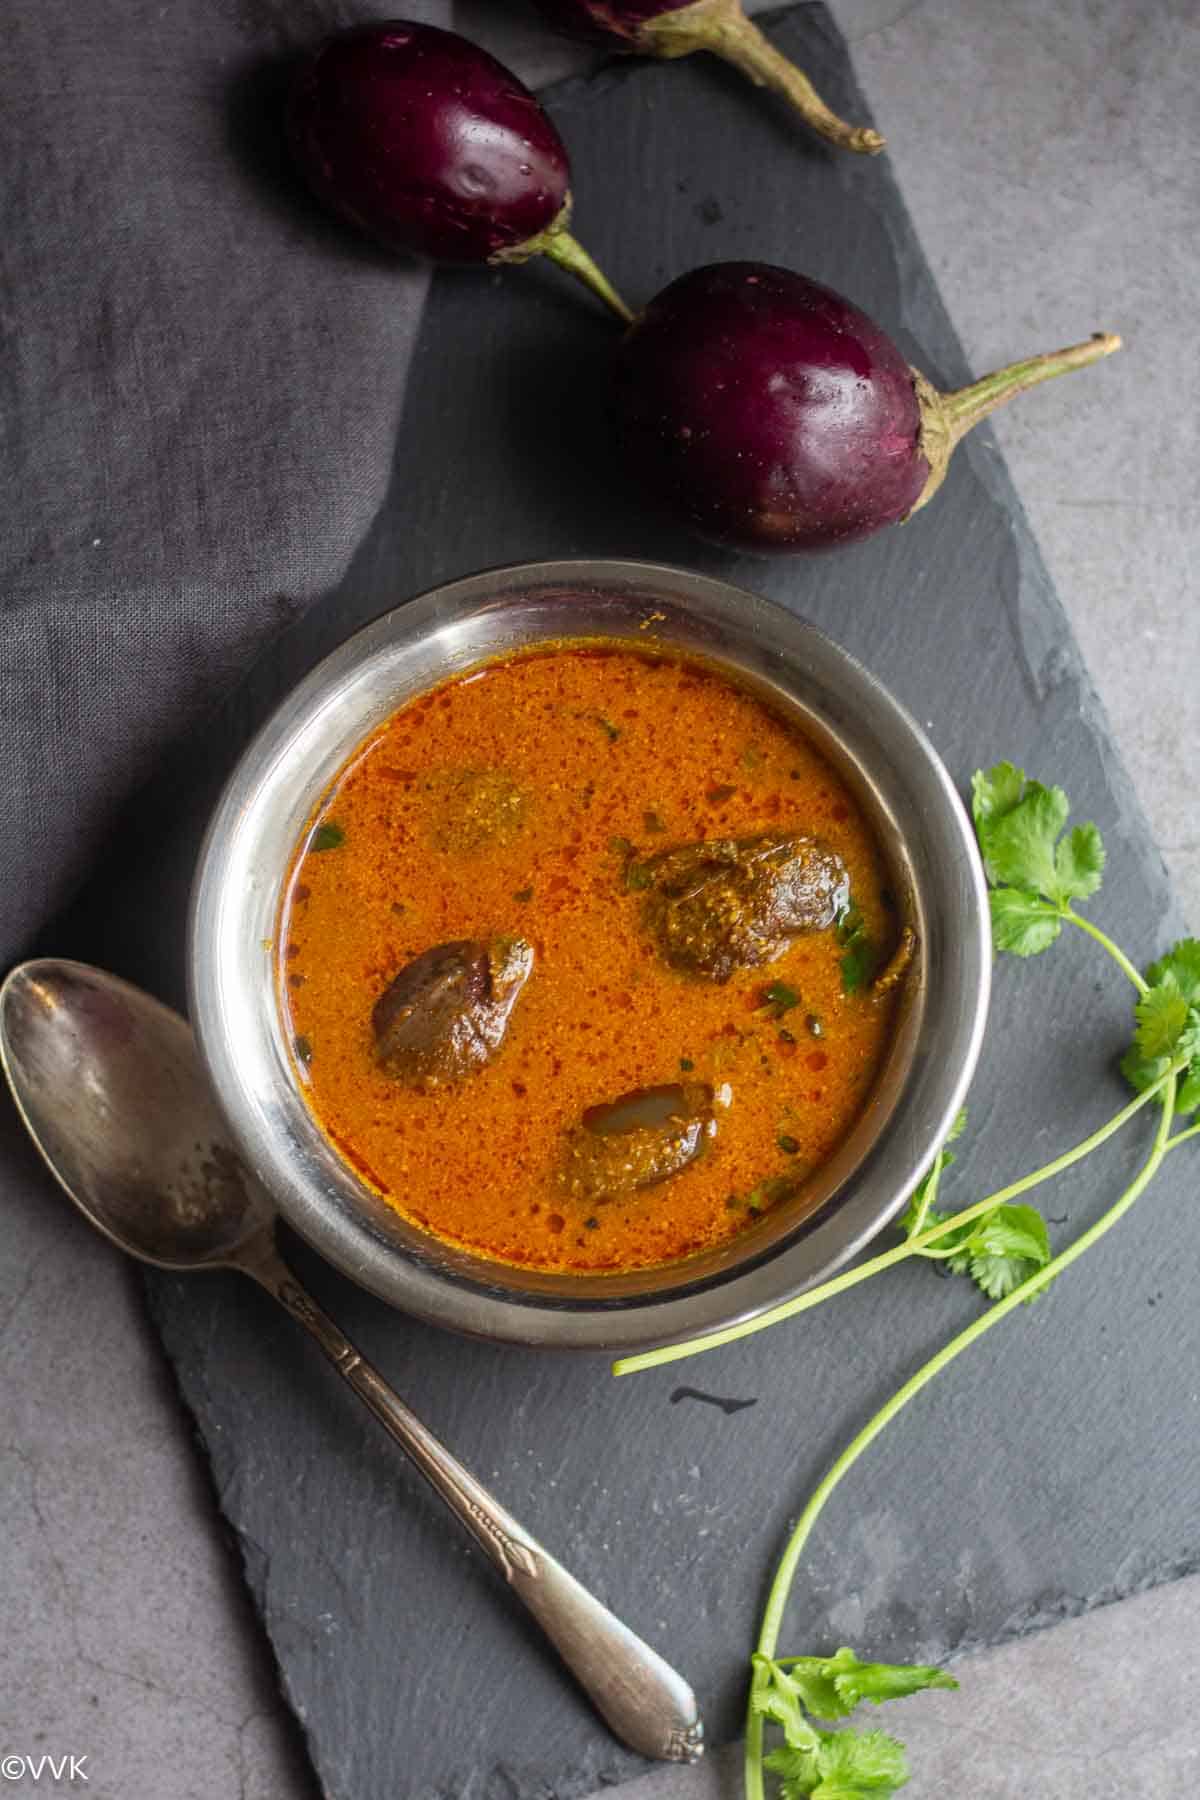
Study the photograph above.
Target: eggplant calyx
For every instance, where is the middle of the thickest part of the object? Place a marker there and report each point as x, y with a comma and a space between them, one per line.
722, 27
945, 418
557, 243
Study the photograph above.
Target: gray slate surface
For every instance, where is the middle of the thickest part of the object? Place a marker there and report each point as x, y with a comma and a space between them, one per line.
951, 1534
1013, 1728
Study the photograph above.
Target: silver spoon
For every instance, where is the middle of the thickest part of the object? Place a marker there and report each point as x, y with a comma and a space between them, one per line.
108, 1083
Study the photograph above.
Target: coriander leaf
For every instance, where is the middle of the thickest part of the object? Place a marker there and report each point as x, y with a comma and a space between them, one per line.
1079, 862
1019, 825
831, 1687
1168, 1030
858, 966
777, 1696
1016, 1231
1018, 845
997, 1276
861, 958
817, 1689
1187, 1099
797, 1770
1022, 924
1162, 1018
854, 1763
1001, 1250
858, 1681
1182, 961
1139, 1072
996, 793
849, 925
327, 836
779, 998
782, 1704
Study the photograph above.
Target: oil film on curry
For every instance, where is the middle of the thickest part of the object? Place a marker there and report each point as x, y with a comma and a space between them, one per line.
589, 959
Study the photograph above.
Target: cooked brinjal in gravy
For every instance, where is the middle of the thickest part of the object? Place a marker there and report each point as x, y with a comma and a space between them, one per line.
589, 959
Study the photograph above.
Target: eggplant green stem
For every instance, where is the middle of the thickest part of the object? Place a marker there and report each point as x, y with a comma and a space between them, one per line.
914, 1246
557, 243
777, 1599
721, 26
570, 254
965, 407
946, 418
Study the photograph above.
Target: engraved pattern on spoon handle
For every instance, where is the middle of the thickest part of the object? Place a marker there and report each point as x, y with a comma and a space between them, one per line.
647, 1704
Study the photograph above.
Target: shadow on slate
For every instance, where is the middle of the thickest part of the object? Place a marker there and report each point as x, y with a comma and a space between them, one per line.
1050, 1470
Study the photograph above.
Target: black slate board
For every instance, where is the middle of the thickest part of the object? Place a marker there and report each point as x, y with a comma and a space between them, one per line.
1053, 1469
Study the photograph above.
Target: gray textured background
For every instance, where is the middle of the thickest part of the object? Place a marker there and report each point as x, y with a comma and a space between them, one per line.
126, 1632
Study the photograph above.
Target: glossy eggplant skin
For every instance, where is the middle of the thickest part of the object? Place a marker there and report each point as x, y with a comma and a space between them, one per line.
426, 143
768, 412
615, 23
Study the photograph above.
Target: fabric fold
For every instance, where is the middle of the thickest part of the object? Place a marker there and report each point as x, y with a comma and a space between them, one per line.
200, 382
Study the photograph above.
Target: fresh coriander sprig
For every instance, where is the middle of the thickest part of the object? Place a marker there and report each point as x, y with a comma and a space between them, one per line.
772, 1620
1035, 873
793, 1691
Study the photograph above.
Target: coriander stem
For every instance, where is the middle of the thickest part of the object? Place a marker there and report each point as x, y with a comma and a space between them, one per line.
935, 1180
651, 1359
1181, 1137
772, 1619
752, 1753
1114, 950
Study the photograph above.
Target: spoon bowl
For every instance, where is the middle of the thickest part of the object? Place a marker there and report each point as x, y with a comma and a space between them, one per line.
109, 1086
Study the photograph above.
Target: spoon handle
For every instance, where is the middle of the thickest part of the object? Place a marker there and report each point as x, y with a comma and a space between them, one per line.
646, 1703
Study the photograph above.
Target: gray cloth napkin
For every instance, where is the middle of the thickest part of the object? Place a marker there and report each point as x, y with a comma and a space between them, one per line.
200, 380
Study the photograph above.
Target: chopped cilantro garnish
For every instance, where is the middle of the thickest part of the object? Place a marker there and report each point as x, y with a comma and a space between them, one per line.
779, 998
327, 836
860, 957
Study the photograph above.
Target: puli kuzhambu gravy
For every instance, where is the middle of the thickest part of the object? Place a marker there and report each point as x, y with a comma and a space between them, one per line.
589, 959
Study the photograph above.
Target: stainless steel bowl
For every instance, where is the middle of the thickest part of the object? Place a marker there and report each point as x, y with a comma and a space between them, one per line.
870, 739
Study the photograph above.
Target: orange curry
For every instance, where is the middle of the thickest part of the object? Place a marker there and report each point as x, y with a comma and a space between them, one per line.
535, 818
